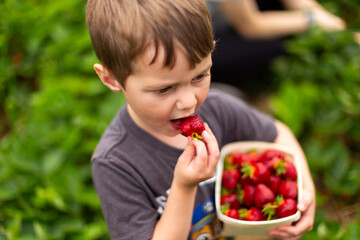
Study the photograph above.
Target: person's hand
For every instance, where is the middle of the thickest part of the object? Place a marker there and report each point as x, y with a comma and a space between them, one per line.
327, 21
305, 224
198, 161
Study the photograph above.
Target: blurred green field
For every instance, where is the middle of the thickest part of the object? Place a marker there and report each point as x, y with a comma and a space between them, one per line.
53, 110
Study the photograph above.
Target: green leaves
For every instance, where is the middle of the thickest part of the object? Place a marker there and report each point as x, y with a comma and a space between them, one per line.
53, 110
319, 99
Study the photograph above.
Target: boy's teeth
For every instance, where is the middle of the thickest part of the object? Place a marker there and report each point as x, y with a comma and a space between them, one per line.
177, 121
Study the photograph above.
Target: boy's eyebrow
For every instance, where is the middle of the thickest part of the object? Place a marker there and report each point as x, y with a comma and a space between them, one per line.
207, 67
165, 84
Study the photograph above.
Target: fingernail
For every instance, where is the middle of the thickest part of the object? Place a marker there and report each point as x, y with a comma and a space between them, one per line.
205, 133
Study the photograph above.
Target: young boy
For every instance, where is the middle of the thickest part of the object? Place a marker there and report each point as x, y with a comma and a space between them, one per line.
154, 183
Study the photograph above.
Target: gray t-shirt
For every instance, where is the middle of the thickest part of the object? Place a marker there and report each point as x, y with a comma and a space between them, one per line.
133, 171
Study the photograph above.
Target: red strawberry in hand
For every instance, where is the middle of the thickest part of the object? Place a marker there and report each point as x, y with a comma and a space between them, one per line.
286, 207
230, 178
251, 214
192, 126
263, 195
288, 189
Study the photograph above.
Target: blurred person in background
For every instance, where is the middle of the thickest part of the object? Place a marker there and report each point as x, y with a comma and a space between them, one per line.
251, 33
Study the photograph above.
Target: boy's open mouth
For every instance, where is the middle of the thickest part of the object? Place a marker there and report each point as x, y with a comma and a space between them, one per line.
176, 122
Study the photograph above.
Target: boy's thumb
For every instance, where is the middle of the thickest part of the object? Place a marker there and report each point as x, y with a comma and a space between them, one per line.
305, 202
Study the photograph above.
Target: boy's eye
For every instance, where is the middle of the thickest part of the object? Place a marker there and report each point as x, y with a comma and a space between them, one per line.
164, 90
201, 76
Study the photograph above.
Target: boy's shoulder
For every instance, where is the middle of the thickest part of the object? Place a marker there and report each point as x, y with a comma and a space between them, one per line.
113, 135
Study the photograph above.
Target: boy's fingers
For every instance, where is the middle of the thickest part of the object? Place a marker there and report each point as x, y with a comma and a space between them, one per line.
189, 150
305, 202
201, 152
211, 145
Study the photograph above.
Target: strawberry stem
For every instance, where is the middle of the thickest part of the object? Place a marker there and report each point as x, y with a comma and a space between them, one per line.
195, 135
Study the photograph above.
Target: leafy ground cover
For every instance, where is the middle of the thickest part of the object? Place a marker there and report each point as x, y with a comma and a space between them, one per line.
53, 110
318, 97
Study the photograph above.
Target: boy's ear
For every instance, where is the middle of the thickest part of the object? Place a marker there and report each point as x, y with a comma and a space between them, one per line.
107, 78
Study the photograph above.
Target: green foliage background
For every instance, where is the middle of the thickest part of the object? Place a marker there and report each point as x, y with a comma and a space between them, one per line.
53, 110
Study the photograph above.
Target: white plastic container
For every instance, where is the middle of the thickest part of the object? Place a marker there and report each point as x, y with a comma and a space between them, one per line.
252, 229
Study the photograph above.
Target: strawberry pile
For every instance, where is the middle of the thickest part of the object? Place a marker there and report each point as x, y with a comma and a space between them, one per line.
258, 186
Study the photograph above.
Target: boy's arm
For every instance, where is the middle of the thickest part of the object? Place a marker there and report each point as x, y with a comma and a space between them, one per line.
196, 164
307, 204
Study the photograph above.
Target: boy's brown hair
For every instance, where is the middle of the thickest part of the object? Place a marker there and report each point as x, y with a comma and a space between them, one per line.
121, 30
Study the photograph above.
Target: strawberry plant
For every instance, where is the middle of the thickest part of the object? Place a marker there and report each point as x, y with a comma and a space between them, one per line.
50, 121
318, 97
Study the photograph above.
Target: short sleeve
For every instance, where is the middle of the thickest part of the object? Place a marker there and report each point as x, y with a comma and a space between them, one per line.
127, 209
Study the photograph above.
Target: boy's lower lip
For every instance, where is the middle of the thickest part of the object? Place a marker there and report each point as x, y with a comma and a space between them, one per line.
175, 124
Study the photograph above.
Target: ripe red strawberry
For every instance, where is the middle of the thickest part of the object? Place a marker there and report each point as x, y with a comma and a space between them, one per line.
263, 195
288, 189
233, 213
230, 161
290, 171
255, 173
230, 178
251, 214
286, 207
250, 157
247, 195
192, 126
231, 199
283, 168
274, 183
269, 155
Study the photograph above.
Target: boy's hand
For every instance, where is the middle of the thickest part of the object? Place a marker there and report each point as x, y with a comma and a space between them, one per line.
307, 207
198, 161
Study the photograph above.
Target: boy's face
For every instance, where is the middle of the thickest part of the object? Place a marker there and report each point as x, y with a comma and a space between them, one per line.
158, 97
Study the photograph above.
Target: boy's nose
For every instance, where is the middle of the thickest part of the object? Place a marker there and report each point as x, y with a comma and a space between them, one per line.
187, 99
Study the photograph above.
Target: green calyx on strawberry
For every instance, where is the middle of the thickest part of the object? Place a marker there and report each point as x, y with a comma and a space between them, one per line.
228, 211
256, 172
192, 126
284, 168
269, 210
268, 155
251, 214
